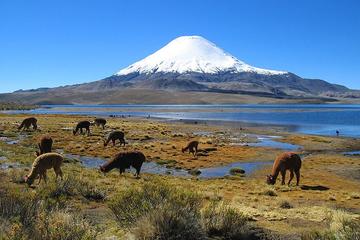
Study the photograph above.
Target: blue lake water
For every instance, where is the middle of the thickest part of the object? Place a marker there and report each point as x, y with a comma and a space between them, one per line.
322, 119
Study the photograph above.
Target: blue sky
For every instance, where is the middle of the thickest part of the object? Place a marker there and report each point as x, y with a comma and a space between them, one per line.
51, 43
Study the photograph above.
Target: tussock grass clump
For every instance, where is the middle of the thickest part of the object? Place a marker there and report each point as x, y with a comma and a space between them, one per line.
219, 220
23, 216
18, 207
170, 222
17, 176
342, 227
59, 189
71, 186
159, 211
269, 192
60, 224
132, 204
91, 192
286, 204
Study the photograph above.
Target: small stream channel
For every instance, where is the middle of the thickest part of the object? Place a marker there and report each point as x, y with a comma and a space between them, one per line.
155, 168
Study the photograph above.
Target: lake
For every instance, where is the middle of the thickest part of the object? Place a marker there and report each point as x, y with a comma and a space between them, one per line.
322, 119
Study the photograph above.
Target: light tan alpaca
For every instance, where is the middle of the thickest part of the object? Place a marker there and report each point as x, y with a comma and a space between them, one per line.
43, 163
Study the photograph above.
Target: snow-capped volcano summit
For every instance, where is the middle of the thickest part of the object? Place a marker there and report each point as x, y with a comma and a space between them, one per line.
189, 69
192, 54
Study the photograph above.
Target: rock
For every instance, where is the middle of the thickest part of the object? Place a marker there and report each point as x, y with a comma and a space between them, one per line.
236, 171
194, 172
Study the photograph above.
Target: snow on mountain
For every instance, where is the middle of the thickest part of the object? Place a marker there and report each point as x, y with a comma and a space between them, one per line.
192, 54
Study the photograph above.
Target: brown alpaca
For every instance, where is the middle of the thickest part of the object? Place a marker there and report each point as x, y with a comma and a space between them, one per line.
27, 122
192, 147
123, 161
45, 145
80, 126
41, 164
113, 136
99, 122
285, 161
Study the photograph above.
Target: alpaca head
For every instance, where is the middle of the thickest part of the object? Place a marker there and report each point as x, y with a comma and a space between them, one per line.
105, 143
74, 131
28, 180
183, 150
270, 180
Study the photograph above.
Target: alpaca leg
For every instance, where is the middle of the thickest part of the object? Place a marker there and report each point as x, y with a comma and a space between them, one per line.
40, 176
291, 176
137, 172
88, 131
81, 131
113, 141
283, 173
45, 177
58, 172
297, 173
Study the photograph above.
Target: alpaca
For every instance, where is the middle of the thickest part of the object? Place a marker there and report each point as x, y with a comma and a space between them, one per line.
41, 164
99, 122
27, 122
123, 161
192, 147
285, 161
113, 136
45, 145
80, 126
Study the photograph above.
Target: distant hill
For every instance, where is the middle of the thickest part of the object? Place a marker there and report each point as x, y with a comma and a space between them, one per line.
190, 69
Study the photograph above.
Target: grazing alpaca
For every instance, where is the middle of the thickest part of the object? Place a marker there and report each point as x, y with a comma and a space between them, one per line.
285, 161
41, 164
192, 147
81, 125
113, 136
123, 161
45, 145
99, 122
27, 122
